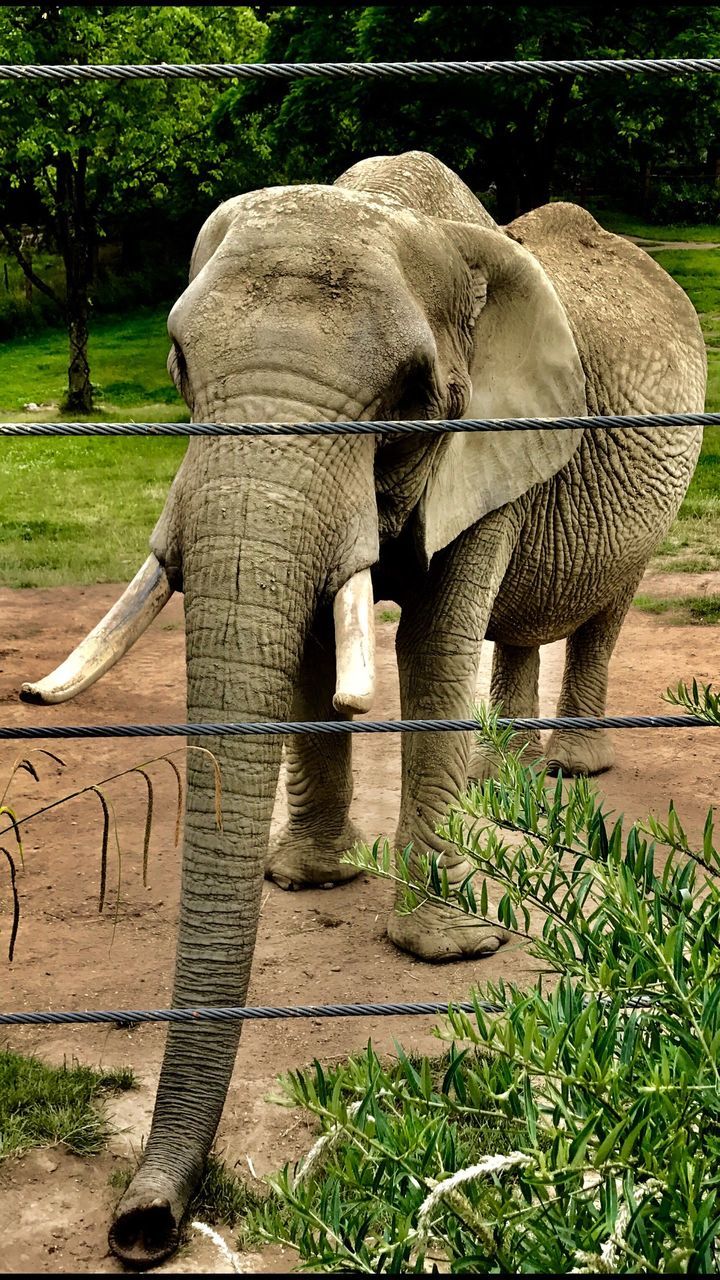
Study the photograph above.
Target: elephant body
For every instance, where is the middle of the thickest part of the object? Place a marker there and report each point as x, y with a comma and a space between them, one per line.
391, 294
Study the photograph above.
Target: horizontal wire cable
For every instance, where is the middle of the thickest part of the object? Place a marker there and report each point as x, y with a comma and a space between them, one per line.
410, 426
260, 1013
240, 1013
411, 71
262, 728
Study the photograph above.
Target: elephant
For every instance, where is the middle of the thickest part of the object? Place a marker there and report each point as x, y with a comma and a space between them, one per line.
390, 294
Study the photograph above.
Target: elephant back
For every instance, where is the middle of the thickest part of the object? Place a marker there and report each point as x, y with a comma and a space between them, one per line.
637, 333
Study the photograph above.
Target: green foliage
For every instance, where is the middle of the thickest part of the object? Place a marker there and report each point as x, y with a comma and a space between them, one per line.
76, 159
224, 1199
694, 609
139, 137
601, 1080
116, 290
525, 138
704, 704
42, 1105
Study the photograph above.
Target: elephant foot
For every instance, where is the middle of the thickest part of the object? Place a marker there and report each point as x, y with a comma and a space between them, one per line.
305, 861
484, 761
437, 933
578, 751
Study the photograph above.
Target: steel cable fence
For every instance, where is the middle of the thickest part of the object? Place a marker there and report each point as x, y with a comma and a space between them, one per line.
63, 74
383, 427
57, 75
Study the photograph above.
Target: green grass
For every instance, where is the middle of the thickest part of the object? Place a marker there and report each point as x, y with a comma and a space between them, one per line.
703, 610
693, 543
127, 361
626, 224
41, 1106
82, 510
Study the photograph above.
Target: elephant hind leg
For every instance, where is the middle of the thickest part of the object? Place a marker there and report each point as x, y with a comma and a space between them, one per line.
514, 689
584, 692
319, 782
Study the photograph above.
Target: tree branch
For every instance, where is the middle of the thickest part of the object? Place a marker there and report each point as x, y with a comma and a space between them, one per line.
13, 243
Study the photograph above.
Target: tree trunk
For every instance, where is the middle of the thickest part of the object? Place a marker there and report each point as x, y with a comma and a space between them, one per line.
75, 237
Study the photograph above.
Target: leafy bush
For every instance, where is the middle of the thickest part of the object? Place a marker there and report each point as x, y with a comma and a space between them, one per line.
683, 200
576, 1126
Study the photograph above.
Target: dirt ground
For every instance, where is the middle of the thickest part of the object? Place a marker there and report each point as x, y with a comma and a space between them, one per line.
313, 947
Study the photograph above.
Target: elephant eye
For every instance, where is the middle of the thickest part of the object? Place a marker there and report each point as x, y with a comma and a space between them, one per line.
417, 396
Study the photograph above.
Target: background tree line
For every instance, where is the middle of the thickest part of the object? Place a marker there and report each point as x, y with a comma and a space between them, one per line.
136, 167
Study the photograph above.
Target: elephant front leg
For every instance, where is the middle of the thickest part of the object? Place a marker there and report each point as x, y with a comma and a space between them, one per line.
438, 642
513, 689
584, 692
319, 782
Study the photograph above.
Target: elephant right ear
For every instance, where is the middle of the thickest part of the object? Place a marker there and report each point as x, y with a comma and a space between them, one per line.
522, 362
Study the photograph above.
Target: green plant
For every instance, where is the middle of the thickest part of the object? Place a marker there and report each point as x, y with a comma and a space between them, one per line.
704, 610
604, 1073
222, 1198
41, 1105
14, 824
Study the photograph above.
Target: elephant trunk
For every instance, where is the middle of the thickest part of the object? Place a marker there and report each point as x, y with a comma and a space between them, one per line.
222, 880
252, 586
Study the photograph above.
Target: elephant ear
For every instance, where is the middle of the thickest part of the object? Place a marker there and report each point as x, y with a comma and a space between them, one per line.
523, 362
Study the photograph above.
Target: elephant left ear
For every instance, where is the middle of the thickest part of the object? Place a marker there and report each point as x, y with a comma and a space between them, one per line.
523, 363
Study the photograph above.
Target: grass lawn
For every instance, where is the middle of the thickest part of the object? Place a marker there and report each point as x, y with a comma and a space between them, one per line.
41, 1105
693, 543
82, 510
626, 224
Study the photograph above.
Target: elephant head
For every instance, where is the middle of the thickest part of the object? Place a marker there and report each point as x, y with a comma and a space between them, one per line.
307, 303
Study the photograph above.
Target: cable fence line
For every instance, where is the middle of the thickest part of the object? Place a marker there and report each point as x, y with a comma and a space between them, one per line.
388, 426
260, 1013
239, 1013
271, 728
59, 74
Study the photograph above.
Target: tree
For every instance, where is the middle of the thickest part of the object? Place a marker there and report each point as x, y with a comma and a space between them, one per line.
73, 157
529, 138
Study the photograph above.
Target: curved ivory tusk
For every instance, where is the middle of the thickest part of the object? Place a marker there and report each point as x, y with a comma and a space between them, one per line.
354, 645
140, 602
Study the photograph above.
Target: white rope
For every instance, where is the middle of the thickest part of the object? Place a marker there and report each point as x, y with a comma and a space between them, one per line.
228, 1254
490, 1165
324, 1145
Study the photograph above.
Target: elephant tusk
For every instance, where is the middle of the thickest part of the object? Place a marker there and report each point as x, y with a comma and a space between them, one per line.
354, 645
141, 601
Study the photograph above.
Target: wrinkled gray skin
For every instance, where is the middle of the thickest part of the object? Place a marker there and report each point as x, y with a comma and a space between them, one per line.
391, 294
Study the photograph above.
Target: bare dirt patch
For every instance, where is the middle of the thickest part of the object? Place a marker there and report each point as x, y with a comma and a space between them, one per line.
313, 947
